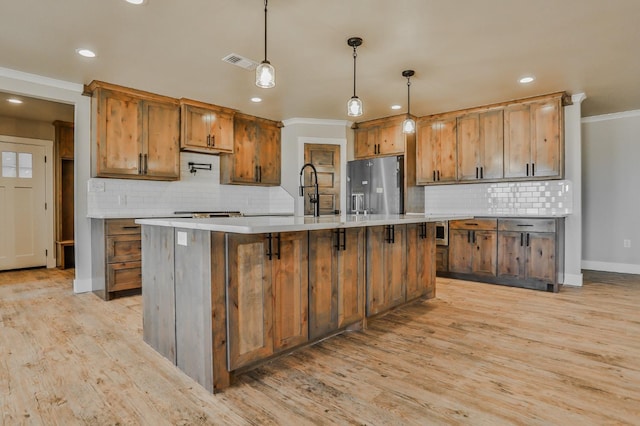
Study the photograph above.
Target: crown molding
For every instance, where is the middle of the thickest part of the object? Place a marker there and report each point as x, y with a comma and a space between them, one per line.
39, 79
613, 116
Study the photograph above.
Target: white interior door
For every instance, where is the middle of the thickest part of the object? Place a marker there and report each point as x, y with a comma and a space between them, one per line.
23, 218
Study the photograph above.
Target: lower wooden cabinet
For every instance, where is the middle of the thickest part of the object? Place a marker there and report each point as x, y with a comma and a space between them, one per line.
386, 267
336, 279
421, 251
473, 246
442, 259
267, 295
529, 252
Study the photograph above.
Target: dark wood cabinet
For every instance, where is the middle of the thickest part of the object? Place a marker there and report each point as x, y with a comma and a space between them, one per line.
256, 153
267, 295
336, 279
136, 134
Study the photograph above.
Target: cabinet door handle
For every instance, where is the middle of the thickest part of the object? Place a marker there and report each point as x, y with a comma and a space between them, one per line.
476, 172
344, 238
521, 240
438, 175
146, 163
337, 244
208, 140
434, 175
259, 173
213, 140
533, 169
270, 246
393, 234
482, 172
527, 239
140, 163
468, 236
257, 176
473, 235
278, 239
527, 169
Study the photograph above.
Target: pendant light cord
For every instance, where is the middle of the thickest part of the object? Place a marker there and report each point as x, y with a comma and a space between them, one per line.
265, 30
408, 96
354, 71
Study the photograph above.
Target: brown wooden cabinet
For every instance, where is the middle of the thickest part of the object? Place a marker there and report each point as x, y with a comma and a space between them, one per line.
256, 153
386, 267
436, 150
267, 295
529, 252
137, 134
64, 189
473, 246
336, 279
123, 256
206, 128
421, 251
381, 137
442, 259
533, 139
480, 145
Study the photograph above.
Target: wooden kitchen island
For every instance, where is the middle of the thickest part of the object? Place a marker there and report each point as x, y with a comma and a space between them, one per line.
221, 295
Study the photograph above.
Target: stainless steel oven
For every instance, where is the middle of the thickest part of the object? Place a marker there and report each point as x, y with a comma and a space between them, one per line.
442, 233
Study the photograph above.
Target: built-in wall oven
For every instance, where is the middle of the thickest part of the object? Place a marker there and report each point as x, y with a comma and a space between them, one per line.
442, 233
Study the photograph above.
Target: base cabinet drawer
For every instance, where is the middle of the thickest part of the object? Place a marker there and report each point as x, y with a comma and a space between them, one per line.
124, 276
124, 248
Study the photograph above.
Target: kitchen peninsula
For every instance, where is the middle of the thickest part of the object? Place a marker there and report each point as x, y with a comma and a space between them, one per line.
223, 294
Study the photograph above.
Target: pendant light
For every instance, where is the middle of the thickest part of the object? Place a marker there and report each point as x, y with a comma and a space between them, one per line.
409, 124
354, 105
265, 73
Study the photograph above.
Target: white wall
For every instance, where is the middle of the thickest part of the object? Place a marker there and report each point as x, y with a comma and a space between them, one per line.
300, 131
70, 93
611, 192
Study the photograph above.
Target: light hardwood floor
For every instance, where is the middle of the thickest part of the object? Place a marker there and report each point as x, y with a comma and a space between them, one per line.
476, 354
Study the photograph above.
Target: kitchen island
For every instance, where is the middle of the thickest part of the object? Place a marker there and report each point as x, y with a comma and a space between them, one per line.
221, 295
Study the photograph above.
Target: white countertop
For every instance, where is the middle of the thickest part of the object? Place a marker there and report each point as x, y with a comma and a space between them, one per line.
265, 224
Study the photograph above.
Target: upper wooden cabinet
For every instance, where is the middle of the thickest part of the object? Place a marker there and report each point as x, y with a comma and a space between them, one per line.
256, 153
436, 150
480, 146
379, 137
136, 134
533, 135
206, 128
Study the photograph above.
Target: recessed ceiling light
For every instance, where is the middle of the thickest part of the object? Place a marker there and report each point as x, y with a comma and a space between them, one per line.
86, 53
527, 79
396, 106
14, 100
256, 99
137, 2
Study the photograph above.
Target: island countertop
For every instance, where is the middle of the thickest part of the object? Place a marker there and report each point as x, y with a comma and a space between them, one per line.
266, 224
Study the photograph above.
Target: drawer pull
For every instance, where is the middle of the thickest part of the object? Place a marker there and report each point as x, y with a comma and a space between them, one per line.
131, 227
471, 224
525, 225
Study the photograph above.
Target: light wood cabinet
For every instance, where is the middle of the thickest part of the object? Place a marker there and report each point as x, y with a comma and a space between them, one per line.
137, 134
267, 295
436, 150
473, 247
256, 153
528, 251
64, 190
206, 128
533, 139
421, 251
386, 267
442, 259
381, 137
336, 279
480, 145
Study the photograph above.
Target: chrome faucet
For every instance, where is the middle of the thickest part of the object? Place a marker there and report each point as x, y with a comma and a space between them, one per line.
314, 198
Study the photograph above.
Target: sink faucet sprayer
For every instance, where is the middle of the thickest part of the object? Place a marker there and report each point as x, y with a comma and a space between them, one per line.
313, 198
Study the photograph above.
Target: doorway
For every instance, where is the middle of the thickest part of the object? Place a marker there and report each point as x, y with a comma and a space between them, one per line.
326, 159
25, 203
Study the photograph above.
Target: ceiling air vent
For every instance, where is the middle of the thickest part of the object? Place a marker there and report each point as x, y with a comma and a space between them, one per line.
240, 61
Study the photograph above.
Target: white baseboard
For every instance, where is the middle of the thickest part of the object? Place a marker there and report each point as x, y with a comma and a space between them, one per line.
623, 268
82, 286
573, 280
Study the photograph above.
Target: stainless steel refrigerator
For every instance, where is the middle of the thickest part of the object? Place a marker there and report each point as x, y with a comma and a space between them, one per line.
375, 186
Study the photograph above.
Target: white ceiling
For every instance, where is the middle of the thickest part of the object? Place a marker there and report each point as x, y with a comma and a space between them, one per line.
465, 52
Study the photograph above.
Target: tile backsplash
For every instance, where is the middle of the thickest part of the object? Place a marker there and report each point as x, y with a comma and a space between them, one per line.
193, 192
530, 198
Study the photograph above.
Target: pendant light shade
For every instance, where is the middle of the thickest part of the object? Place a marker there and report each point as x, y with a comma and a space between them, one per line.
409, 124
354, 105
265, 73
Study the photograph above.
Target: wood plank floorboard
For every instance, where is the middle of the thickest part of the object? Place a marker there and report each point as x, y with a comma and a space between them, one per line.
476, 354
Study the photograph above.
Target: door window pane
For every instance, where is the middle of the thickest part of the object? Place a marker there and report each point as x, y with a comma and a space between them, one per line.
25, 162
9, 164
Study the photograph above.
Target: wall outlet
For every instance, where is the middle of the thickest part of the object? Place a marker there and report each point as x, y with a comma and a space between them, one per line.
627, 243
